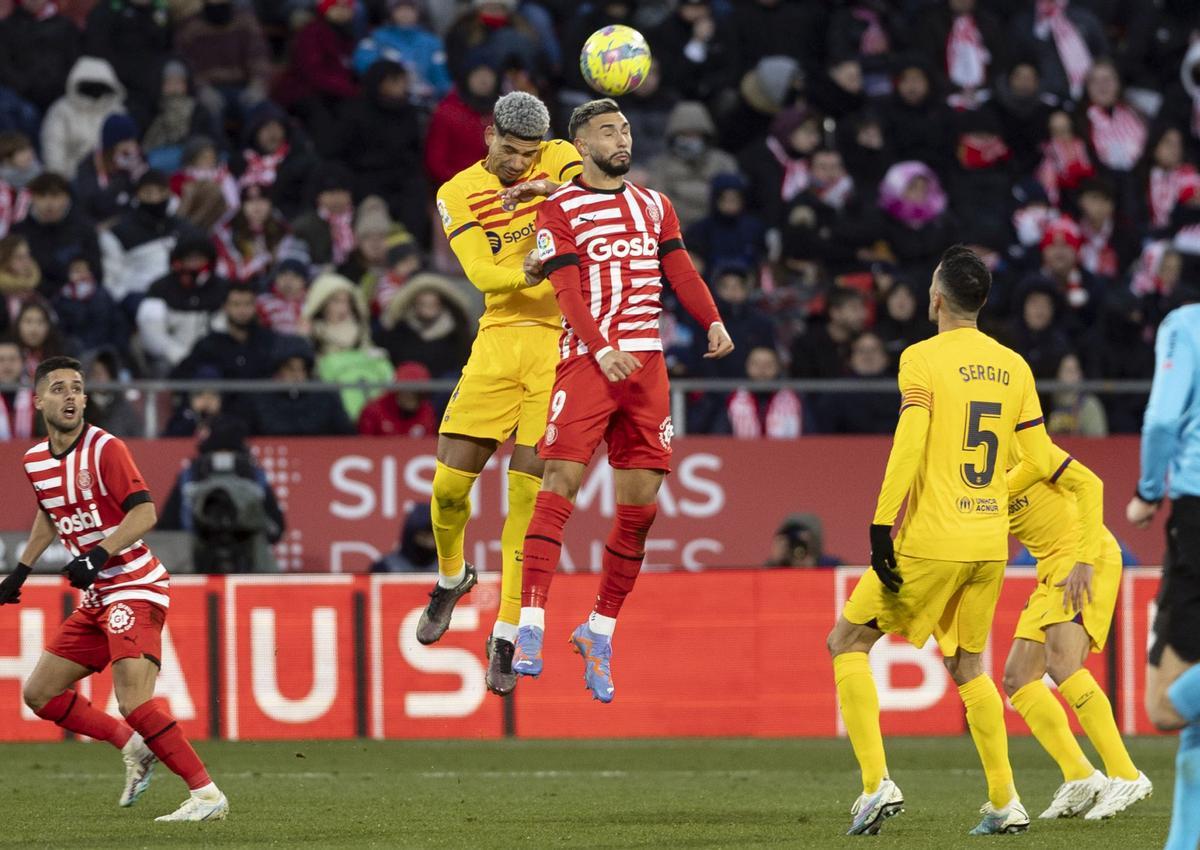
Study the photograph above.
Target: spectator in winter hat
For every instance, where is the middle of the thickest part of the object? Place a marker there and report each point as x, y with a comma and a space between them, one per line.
916, 219
455, 137
769, 86
777, 166
281, 307
328, 228
403, 413
136, 251
730, 233
179, 117
417, 551
685, 172
87, 314
373, 228
341, 334
181, 307
1081, 293
104, 181
402, 38
427, 322
73, 122
869, 32
56, 230
224, 45
275, 154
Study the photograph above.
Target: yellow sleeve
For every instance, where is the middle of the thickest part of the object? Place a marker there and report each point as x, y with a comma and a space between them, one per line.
908, 444
1035, 442
561, 161
470, 244
1072, 475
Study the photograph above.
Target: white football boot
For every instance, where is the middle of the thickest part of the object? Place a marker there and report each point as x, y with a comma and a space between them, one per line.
1076, 797
1119, 796
197, 808
139, 768
871, 810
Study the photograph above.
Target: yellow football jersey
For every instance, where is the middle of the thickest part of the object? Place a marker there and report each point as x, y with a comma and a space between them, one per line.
969, 397
1060, 516
491, 242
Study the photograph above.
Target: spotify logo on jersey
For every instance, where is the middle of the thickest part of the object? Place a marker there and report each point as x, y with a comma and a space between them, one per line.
494, 241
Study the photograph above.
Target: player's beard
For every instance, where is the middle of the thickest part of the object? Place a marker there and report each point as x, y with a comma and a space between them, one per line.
614, 169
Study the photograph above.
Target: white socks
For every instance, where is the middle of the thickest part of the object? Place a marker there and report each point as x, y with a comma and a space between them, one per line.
208, 793
602, 625
534, 617
454, 580
132, 745
505, 631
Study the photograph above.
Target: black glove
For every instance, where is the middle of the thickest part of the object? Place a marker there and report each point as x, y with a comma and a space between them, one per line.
81, 571
883, 557
10, 588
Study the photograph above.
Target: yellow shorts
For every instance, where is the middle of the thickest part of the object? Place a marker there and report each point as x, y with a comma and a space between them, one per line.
505, 386
954, 599
1045, 606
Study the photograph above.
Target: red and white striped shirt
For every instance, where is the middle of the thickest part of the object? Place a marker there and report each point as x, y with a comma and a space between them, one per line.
86, 492
615, 236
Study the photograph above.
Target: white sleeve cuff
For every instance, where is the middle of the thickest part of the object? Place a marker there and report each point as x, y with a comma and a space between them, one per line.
599, 355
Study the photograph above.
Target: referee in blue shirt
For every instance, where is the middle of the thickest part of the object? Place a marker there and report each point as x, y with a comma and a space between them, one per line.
1171, 452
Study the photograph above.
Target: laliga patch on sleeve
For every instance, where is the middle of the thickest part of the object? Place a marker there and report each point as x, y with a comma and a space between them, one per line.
444, 213
545, 245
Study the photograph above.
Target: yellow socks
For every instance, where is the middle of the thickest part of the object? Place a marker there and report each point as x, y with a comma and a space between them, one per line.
1047, 721
522, 493
985, 717
859, 702
451, 508
1095, 714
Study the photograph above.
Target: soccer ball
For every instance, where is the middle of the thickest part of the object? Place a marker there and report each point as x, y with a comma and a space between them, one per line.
615, 60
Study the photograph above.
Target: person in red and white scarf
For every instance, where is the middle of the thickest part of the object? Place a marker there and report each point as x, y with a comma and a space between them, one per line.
273, 156
1166, 174
777, 414
281, 308
963, 41
1109, 244
1066, 38
1079, 289
202, 162
250, 243
18, 167
1116, 131
1065, 159
328, 230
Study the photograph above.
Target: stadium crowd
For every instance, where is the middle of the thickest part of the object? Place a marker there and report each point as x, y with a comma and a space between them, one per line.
218, 190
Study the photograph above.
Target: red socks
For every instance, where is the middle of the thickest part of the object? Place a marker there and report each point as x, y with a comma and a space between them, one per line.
543, 546
76, 714
165, 739
623, 556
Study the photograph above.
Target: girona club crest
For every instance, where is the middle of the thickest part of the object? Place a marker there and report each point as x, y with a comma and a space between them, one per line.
120, 618
551, 434
85, 480
666, 431
654, 214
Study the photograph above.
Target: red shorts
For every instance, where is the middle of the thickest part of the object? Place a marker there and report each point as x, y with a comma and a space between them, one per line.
632, 416
96, 637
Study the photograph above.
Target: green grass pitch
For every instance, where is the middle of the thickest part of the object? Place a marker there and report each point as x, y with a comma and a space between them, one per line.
648, 794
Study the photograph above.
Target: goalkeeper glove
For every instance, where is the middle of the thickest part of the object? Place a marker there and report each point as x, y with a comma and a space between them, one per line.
81, 571
10, 588
883, 557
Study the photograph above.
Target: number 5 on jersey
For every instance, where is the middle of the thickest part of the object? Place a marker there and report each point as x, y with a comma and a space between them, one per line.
975, 436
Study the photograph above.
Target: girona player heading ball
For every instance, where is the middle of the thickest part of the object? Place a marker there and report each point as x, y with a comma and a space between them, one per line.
615, 60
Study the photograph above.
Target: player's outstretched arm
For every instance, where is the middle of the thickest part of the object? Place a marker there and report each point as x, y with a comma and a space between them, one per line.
40, 537
1175, 365
470, 244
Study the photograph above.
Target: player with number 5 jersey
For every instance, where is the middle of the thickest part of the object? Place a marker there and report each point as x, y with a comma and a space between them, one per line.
964, 399
606, 245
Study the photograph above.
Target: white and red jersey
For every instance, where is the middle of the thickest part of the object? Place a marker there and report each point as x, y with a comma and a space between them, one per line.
616, 237
86, 492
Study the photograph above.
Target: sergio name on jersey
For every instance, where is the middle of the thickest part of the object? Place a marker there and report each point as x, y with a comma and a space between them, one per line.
978, 394
491, 242
86, 492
